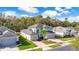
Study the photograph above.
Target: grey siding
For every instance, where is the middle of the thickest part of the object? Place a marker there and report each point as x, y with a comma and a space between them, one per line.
34, 37
50, 35
7, 41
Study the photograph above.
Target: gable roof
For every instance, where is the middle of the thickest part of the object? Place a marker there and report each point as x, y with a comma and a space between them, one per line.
59, 29
7, 32
36, 26
28, 31
63, 29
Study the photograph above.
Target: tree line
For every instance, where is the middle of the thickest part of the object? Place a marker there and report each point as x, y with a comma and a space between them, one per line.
25, 22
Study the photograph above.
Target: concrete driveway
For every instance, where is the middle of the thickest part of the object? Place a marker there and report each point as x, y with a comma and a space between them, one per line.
41, 45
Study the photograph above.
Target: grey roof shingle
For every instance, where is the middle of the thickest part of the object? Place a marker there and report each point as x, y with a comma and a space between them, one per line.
36, 26
28, 31
9, 33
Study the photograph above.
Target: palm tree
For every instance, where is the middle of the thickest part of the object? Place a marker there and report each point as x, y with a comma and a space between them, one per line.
43, 33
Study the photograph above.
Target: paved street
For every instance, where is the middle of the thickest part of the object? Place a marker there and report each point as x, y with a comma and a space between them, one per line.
64, 48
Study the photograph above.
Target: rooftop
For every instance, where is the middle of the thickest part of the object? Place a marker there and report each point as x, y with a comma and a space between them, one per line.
28, 31
5, 32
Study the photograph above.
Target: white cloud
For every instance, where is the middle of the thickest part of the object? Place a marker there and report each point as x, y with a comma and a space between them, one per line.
49, 13
62, 11
58, 9
76, 19
65, 12
59, 14
71, 19
68, 7
10, 13
29, 9
24, 15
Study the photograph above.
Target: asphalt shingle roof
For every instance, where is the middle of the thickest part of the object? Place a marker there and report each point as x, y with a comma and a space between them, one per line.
8, 33
28, 31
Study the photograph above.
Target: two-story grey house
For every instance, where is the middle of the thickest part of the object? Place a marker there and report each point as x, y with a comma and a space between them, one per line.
33, 32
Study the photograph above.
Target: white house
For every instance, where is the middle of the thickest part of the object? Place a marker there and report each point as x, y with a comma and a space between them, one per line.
29, 34
64, 31
33, 32
7, 37
59, 31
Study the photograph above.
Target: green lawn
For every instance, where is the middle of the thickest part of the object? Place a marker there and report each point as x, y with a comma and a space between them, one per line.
38, 49
75, 43
54, 46
25, 44
48, 42
67, 38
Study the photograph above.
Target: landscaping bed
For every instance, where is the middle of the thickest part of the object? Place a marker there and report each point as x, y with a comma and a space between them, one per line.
54, 46
25, 44
48, 42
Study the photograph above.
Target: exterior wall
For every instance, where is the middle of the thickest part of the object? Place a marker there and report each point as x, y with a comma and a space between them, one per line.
50, 35
48, 28
78, 34
26, 36
34, 30
34, 37
30, 37
7, 41
61, 34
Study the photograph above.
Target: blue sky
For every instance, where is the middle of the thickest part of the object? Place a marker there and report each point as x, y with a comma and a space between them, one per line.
59, 12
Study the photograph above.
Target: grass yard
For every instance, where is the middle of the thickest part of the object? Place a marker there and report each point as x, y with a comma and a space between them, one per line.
48, 42
67, 38
25, 44
75, 43
54, 46
38, 49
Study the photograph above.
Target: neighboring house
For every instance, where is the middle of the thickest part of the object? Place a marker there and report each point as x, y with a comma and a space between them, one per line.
29, 34
70, 31
33, 32
76, 34
39, 26
7, 37
59, 31
64, 31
